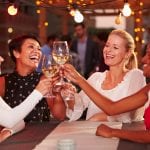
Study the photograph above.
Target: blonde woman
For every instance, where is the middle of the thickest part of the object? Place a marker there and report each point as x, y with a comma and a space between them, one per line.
122, 79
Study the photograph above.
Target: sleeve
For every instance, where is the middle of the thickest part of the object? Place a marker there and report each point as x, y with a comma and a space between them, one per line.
77, 112
16, 128
137, 81
10, 117
81, 102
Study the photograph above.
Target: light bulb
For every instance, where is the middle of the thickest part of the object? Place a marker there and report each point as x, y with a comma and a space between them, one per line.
78, 17
72, 12
126, 10
12, 10
118, 19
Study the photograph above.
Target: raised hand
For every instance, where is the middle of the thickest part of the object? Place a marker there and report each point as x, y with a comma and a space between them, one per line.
71, 73
44, 85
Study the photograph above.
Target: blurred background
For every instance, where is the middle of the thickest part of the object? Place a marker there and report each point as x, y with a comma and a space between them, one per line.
45, 17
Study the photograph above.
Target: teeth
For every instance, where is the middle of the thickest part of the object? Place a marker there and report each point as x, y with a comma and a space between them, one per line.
109, 56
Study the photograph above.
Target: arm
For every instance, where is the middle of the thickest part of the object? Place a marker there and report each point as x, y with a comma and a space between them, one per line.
142, 136
7, 132
126, 104
57, 107
10, 117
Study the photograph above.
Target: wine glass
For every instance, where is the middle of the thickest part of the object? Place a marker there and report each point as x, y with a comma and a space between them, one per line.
60, 54
49, 69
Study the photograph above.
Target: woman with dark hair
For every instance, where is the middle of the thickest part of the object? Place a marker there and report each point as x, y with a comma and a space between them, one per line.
17, 86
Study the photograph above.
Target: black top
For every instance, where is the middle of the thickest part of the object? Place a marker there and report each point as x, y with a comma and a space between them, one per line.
17, 88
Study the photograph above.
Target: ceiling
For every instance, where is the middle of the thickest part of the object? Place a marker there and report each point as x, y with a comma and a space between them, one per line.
93, 6
89, 7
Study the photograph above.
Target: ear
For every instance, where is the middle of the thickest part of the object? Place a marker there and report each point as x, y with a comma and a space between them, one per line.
128, 55
16, 54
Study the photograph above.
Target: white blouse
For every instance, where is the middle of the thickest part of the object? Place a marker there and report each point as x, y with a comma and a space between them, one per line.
13, 117
133, 81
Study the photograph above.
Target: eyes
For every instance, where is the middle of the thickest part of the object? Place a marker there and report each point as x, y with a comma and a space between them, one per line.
34, 47
109, 46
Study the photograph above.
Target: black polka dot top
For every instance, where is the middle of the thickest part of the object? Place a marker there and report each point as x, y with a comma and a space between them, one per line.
17, 88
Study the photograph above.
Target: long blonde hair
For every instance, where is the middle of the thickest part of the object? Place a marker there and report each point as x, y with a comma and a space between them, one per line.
131, 62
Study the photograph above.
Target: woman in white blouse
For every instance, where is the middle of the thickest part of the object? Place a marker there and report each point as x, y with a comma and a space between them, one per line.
121, 80
12, 118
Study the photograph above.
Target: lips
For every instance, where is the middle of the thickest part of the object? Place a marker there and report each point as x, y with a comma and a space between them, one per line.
108, 56
34, 58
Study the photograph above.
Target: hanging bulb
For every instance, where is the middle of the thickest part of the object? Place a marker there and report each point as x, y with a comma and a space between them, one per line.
126, 10
78, 17
118, 19
72, 12
12, 10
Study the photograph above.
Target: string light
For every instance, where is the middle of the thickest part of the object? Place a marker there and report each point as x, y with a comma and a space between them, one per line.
78, 16
10, 30
12, 10
126, 9
118, 19
46, 23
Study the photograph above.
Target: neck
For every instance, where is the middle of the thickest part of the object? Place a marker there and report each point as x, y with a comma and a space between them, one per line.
23, 70
115, 74
82, 39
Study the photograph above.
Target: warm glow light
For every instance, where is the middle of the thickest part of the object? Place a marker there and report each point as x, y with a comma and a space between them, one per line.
141, 3
118, 19
135, 30
78, 17
38, 2
138, 19
38, 11
72, 12
12, 10
50, 2
143, 41
143, 29
46, 23
137, 39
10, 30
126, 10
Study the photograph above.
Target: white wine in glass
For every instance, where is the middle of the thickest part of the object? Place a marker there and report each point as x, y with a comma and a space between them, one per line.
49, 69
60, 54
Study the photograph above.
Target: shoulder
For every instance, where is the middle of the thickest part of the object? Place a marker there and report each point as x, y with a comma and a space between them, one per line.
136, 72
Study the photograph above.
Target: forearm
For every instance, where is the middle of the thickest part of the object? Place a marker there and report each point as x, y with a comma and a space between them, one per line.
136, 136
57, 107
12, 116
124, 105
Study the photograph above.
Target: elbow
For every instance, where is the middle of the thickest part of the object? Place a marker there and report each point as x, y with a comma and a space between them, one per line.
110, 111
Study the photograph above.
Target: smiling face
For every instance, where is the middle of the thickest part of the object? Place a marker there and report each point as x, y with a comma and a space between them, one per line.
30, 54
146, 62
115, 51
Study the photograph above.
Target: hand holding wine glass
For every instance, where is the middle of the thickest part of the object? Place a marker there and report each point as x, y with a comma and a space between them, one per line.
60, 54
49, 69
